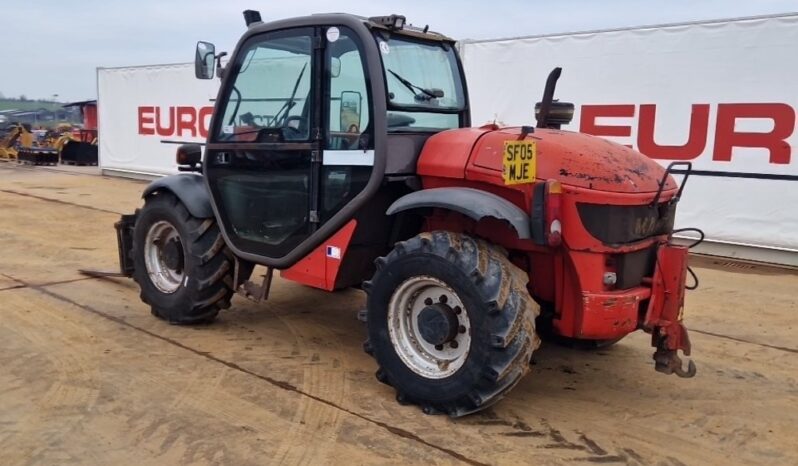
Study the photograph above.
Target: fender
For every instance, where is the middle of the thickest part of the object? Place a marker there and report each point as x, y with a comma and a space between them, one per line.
189, 188
471, 202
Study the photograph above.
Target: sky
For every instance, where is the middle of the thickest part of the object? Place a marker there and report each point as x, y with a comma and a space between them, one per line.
50, 47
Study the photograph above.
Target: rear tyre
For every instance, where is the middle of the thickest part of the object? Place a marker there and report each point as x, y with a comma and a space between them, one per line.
181, 263
450, 323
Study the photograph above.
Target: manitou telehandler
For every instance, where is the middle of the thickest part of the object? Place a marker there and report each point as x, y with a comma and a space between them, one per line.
340, 153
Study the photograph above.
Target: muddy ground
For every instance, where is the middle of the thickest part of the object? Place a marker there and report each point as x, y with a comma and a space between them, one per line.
88, 376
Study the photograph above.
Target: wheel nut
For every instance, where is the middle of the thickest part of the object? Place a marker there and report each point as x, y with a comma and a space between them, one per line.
461, 329
439, 347
454, 344
457, 310
443, 299
428, 301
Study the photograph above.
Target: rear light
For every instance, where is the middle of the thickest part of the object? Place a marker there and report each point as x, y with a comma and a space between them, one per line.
553, 204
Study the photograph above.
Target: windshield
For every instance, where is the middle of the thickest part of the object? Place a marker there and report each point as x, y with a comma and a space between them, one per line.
425, 90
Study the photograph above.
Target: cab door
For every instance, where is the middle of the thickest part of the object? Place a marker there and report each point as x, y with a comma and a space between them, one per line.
272, 183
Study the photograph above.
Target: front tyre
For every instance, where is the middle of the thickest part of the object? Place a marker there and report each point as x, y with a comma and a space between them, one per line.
181, 262
450, 322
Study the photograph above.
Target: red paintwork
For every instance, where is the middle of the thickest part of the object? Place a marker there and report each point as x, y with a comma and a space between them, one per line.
574, 159
446, 154
318, 270
570, 276
664, 313
89, 112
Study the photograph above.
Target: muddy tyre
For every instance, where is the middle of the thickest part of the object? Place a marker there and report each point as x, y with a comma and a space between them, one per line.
450, 323
181, 262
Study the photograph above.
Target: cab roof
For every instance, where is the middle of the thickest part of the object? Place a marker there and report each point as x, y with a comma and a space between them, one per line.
345, 19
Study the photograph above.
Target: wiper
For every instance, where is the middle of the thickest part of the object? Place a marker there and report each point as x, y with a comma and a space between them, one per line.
289, 104
430, 93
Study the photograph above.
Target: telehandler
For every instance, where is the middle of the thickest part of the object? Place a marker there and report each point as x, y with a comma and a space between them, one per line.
340, 153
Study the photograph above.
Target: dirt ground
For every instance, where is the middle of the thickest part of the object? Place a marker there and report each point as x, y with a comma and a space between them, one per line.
88, 376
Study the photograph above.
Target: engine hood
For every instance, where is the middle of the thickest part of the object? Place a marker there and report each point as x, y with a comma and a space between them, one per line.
574, 159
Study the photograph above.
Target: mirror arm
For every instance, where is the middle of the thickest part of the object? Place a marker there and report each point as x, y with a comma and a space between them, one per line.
219, 68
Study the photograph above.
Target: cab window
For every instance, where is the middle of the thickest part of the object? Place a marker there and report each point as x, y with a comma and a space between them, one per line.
425, 90
348, 155
270, 98
349, 117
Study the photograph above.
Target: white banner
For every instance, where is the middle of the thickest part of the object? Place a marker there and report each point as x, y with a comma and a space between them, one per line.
141, 106
722, 95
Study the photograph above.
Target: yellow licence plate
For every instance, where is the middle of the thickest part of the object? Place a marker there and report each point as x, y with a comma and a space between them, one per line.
519, 163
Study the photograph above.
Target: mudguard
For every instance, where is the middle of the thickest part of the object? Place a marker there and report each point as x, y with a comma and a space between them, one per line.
189, 188
471, 202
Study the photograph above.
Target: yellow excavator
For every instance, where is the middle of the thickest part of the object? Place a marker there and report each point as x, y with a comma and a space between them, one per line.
16, 133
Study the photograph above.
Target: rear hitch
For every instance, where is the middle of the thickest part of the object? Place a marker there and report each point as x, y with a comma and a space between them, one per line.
668, 362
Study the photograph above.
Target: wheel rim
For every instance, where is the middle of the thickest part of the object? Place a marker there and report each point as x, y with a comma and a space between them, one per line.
163, 257
423, 357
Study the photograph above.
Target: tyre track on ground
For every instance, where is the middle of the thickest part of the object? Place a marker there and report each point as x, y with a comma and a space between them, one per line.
398, 431
742, 340
60, 202
72, 393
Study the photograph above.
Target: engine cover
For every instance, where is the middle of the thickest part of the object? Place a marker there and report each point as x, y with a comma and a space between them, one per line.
574, 159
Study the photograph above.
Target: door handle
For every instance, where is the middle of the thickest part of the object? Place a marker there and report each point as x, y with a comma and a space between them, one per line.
222, 158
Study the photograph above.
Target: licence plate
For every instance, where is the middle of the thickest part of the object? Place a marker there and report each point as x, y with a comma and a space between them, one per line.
519, 163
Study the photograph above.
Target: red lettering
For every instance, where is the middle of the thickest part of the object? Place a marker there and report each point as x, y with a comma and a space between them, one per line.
205, 114
696, 141
145, 118
775, 141
589, 114
165, 130
186, 120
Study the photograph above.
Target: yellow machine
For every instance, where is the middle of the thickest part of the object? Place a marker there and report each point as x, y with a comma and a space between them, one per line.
18, 133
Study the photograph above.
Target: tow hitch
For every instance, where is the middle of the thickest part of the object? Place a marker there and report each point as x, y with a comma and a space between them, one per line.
668, 362
663, 318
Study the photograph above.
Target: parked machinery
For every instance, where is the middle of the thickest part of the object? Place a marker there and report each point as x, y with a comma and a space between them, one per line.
81, 148
14, 134
38, 149
469, 241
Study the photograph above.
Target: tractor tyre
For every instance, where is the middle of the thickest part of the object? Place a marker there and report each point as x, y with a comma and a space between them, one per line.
181, 262
450, 322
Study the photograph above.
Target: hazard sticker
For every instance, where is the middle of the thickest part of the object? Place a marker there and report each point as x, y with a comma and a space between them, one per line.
519, 163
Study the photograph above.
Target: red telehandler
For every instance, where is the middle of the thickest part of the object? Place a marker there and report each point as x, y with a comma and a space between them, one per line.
340, 153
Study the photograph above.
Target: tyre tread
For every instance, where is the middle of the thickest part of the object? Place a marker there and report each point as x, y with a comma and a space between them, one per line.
208, 288
511, 313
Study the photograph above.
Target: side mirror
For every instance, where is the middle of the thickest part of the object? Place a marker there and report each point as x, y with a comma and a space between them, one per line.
351, 102
204, 60
335, 67
189, 158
